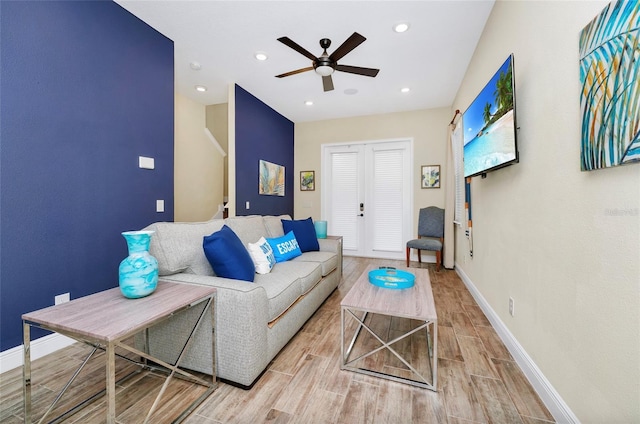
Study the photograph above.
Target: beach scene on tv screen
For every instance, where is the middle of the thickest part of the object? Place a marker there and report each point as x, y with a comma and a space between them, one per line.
489, 131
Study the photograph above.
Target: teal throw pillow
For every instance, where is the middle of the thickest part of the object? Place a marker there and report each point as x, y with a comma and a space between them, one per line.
285, 247
228, 256
305, 233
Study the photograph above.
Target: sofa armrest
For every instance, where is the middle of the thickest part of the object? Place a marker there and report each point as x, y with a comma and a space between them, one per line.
333, 245
330, 245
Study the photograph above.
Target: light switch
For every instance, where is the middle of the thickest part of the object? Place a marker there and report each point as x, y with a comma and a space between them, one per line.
146, 163
159, 205
247, 204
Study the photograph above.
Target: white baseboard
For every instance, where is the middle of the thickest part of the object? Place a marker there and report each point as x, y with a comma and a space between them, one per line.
14, 358
549, 396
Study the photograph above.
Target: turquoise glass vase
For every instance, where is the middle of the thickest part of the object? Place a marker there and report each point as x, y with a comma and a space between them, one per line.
138, 273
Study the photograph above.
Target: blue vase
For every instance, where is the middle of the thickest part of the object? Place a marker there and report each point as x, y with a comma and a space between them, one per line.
321, 229
138, 273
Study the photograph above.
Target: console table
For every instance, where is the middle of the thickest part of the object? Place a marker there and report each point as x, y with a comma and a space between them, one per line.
105, 321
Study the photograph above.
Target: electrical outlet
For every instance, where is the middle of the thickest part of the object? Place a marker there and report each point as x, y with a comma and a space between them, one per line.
511, 310
61, 298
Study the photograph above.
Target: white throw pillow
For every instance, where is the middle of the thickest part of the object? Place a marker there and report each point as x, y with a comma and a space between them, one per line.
262, 256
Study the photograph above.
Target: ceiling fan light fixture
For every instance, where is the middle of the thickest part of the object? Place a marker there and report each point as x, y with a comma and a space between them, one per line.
324, 70
401, 27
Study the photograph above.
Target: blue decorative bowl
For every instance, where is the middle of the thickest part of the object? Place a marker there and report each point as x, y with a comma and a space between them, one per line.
391, 278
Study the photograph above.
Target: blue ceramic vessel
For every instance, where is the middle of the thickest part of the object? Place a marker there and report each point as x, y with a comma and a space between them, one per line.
138, 273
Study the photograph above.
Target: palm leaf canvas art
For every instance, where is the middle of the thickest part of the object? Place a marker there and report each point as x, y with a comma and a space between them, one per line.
610, 78
271, 179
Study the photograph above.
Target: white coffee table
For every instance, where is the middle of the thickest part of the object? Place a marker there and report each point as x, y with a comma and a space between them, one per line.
415, 303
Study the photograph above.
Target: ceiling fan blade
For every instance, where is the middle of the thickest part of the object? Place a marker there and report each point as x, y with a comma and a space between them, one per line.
295, 46
327, 83
297, 71
368, 72
351, 43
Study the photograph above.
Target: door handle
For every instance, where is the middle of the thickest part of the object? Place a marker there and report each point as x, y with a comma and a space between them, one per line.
361, 214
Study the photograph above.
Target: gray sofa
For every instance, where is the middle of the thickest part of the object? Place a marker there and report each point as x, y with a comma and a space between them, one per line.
254, 321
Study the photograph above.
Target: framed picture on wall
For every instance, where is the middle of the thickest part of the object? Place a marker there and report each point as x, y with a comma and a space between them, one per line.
271, 179
307, 180
430, 176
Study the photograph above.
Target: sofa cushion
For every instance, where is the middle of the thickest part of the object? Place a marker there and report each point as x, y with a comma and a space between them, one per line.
328, 261
308, 273
262, 256
304, 231
178, 246
286, 282
274, 225
285, 247
228, 256
247, 228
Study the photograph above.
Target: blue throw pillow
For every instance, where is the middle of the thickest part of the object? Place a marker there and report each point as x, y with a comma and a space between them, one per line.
305, 233
285, 247
228, 256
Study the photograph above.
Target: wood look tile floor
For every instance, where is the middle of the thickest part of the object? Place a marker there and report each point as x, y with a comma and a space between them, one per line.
478, 380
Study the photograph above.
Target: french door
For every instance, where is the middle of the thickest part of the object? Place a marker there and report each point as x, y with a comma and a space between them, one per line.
367, 196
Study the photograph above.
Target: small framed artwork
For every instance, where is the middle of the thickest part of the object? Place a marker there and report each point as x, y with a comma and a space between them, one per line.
430, 176
307, 180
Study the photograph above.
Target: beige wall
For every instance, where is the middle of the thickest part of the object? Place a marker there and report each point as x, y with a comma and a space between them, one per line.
198, 164
427, 128
217, 119
563, 243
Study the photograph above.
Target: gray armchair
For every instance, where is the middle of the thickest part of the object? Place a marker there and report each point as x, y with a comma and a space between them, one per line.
430, 234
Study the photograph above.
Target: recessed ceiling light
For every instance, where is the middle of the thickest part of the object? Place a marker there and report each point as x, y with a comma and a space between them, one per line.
196, 66
405, 89
201, 88
351, 91
401, 27
308, 103
261, 56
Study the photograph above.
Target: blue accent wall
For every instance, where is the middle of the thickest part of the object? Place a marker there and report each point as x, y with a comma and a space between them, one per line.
261, 134
86, 88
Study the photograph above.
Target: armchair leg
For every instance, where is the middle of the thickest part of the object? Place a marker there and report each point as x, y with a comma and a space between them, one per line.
408, 254
419, 256
438, 260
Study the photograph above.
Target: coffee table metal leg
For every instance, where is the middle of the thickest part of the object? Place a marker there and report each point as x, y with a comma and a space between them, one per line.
345, 355
434, 354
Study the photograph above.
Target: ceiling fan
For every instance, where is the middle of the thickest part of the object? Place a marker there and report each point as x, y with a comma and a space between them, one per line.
326, 64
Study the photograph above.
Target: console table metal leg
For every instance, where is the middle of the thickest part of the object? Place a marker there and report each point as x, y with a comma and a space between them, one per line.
111, 384
26, 372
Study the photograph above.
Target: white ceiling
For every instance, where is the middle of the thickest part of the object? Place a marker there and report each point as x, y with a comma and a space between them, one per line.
431, 58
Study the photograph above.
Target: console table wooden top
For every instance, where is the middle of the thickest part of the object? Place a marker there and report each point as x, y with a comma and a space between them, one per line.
108, 316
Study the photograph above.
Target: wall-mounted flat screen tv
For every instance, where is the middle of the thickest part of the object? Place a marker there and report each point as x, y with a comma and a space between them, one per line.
490, 125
